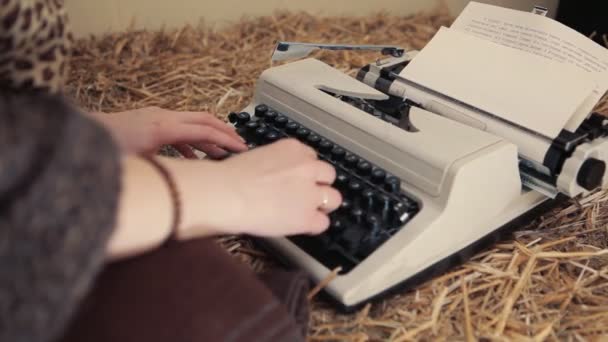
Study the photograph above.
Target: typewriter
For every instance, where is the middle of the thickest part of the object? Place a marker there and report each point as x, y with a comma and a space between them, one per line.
423, 189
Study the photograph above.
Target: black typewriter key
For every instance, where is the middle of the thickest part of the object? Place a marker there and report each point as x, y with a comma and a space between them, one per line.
325, 146
336, 226
260, 110
313, 140
351, 160
355, 188
341, 180
260, 132
392, 184
383, 203
252, 125
270, 116
345, 205
374, 224
272, 137
364, 168
378, 176
356, 215
337, 153
367, 199
399, 212
302, 133
233, 117
280, 121
243, 118
291, 127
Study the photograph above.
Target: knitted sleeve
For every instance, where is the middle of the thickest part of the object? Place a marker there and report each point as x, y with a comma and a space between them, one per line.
59, 186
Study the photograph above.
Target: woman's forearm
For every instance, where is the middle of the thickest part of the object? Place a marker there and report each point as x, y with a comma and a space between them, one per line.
144, 210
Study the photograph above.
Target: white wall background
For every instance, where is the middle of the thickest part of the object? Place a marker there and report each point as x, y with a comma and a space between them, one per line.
99, 16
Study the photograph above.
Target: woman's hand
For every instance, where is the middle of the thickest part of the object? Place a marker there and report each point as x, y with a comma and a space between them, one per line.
144, 131
276, 190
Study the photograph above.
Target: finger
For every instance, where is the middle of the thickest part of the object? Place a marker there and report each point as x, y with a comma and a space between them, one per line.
185, 151
211, 150
205, 118
318, 223
330, 199
324, 172
204, 135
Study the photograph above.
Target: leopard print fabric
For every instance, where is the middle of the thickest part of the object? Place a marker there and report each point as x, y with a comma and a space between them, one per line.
35, 42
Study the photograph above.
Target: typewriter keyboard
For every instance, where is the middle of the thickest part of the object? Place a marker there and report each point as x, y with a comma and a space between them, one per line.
373, 209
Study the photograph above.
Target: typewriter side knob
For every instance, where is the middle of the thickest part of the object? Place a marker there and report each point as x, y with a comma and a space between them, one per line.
584, 170
591, 174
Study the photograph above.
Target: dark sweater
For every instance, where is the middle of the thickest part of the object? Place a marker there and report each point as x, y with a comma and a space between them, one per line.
59, 185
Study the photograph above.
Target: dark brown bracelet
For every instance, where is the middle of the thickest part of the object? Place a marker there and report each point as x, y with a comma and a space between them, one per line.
175, 198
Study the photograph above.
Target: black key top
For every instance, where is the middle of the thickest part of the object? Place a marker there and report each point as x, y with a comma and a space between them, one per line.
368, 199
302, 133
313, 140
280, 121
354, 188
357, 215
392, 184
364, 168
383, 203
341, 181
233, 117
270, 116
399, 212
325, 146
292, 127
336, 226
378, 176
272, 137
252, 125
345, 205
243, 118
337, 153
373, 223
260, 110
351, 160
260, 132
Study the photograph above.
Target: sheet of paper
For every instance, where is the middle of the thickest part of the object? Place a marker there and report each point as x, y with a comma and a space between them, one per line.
541, 36
519, 87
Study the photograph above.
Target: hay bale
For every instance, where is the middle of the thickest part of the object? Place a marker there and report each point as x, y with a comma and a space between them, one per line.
550, 283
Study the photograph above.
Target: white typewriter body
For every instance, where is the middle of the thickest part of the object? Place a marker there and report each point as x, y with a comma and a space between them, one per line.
473, 174
466, 180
